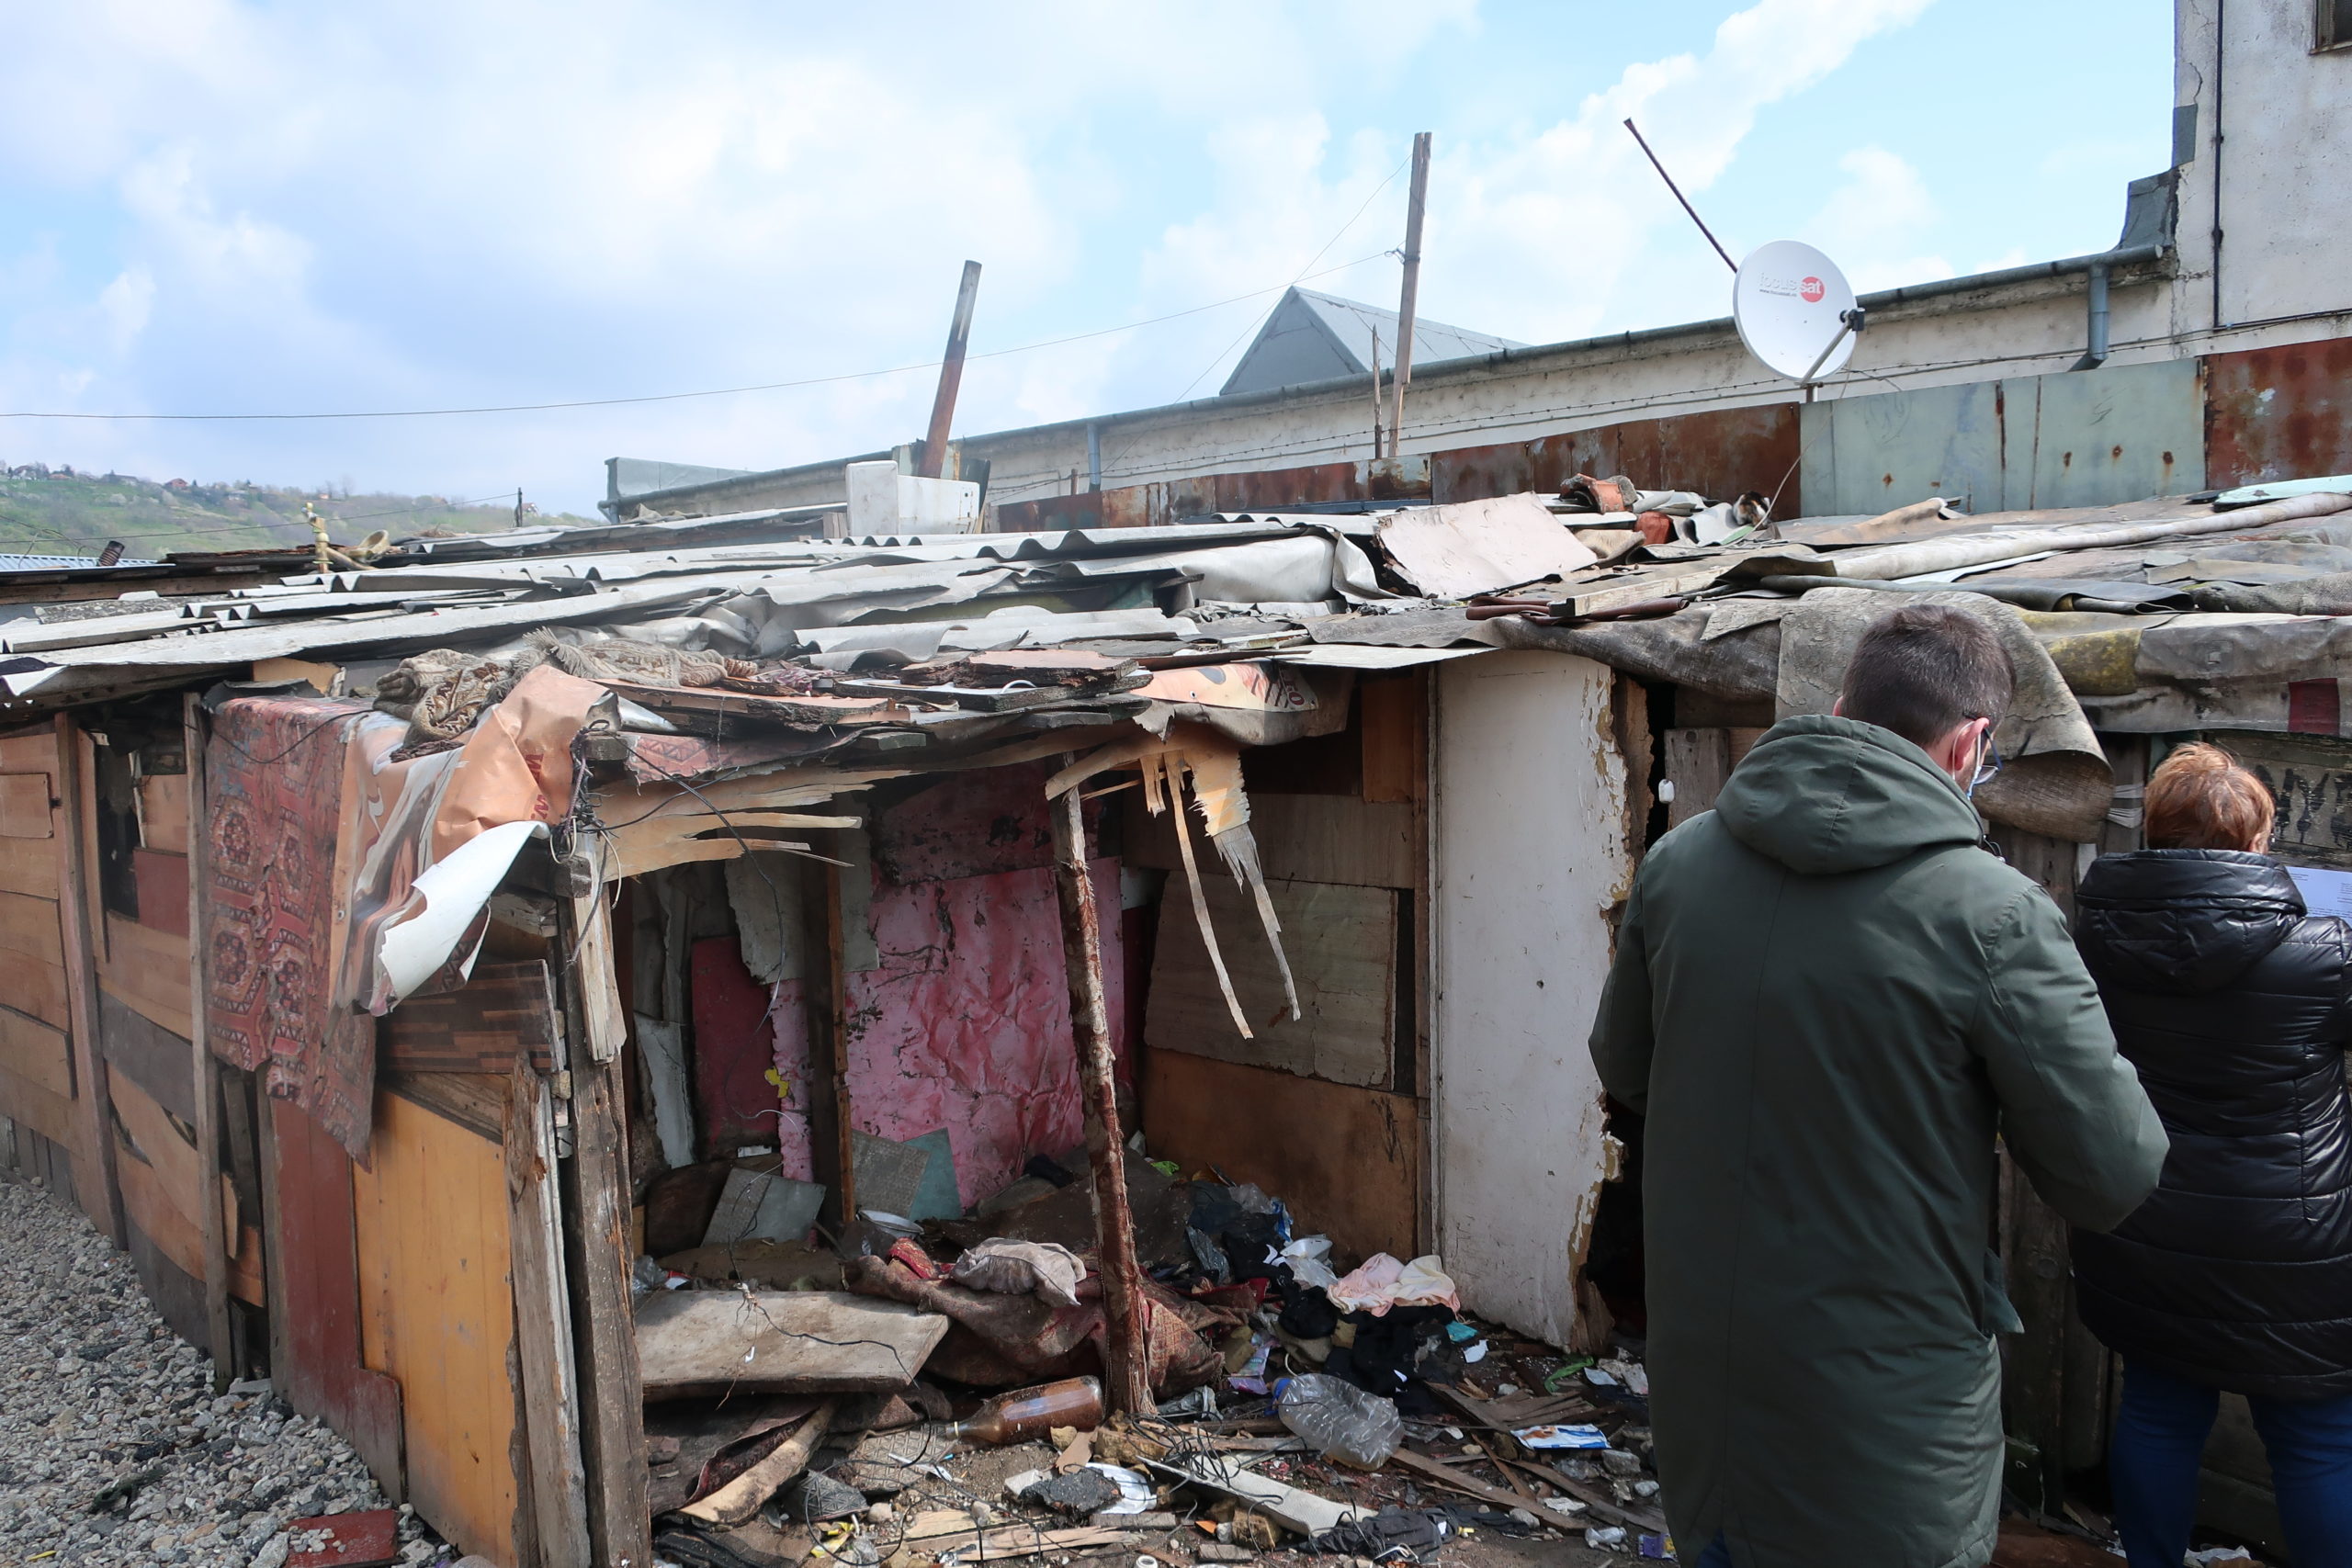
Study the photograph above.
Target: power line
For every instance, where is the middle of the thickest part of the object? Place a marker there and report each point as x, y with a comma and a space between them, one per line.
708, 392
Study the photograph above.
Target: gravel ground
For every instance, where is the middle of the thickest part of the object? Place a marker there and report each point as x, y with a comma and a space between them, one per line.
96, 1393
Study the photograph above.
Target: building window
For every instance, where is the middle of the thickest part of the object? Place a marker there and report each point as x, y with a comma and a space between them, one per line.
2334, 23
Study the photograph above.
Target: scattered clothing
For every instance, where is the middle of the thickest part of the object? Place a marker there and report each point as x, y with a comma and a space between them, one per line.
1383, 1283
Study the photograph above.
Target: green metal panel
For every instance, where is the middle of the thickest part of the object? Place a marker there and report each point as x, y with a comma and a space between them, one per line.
2079, 438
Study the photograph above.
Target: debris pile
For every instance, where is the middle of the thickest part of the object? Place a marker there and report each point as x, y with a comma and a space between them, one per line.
1352, 1415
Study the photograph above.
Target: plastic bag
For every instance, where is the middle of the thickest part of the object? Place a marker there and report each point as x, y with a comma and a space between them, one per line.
1342, 1421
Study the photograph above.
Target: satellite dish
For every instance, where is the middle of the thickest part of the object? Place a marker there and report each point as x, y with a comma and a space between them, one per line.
1795, 311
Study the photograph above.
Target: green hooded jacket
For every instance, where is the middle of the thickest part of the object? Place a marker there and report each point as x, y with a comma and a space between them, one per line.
1825, 999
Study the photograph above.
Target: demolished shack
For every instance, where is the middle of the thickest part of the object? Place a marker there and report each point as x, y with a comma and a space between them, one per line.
660, 968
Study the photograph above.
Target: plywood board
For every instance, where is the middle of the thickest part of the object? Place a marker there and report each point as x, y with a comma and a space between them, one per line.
152, 1056
1347, 1161
163, 812
1342, 943
24, 806
780, 1341
29, 866
147, 1203
36, 1052
161, 877
38, 987
313, 1273
29, 752
148, 970
28, 929
1521, 931
1392, 712
44, 1110
1301, 838
431, 1229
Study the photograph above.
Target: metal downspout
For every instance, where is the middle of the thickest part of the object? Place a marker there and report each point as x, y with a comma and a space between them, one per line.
2095, 355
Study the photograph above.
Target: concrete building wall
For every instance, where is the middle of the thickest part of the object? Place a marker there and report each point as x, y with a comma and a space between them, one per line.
2270, 146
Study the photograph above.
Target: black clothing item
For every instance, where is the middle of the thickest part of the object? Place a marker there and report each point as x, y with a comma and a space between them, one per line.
2235, 1006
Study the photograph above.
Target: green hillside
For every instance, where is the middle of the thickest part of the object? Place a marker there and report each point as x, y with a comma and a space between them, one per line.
68, 514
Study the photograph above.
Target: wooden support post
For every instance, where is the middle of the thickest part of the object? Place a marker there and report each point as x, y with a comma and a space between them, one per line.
1125, 1356
207, 1068
1409, 300
558, 1494
90, 1090
825, 1005
951, 375
596, 1204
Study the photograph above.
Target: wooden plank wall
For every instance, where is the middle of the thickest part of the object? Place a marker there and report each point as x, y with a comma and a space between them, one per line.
1330, 1112
437, 1313
44, 1091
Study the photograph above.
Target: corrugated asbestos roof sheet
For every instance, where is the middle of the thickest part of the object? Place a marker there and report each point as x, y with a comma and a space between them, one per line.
2234, 589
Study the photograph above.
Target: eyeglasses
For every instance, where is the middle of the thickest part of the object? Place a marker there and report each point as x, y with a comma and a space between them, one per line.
1987, 765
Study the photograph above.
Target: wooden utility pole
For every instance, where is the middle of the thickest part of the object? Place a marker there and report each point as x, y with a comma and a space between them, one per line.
1412, 297
951, 375
1125, 1361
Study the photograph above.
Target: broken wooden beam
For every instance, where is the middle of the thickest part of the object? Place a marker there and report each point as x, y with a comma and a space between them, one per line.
741, 1497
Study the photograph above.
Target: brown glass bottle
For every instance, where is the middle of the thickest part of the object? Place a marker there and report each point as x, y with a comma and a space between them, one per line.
1029, 1412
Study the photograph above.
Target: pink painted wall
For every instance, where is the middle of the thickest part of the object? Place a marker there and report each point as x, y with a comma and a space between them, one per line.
965, 1023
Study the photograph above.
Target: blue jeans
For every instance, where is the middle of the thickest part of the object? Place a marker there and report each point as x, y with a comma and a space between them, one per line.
1717, 1555
2160, 1434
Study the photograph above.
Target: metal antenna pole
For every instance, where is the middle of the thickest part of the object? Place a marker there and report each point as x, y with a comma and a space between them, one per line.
1411, 299
1680, 198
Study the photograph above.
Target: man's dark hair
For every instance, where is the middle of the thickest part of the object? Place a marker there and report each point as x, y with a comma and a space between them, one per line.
1925, 669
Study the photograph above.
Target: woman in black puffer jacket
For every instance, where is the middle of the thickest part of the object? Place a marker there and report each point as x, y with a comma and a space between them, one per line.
2236, 1008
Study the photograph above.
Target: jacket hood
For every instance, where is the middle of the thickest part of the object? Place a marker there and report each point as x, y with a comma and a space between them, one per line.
2182, 921
1823, 794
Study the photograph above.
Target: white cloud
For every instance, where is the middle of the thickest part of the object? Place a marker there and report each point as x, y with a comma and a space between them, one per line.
1871, 222
329, 207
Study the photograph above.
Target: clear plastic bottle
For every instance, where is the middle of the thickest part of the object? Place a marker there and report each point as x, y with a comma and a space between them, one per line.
1029, 1412
1341, 1420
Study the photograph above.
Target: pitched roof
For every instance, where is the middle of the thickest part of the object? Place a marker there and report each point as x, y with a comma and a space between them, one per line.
1312, 337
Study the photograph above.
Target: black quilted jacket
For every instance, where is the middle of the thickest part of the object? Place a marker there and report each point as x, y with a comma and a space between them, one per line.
2236, 1009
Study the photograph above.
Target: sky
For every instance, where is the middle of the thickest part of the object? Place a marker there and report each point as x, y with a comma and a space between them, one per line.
209, 207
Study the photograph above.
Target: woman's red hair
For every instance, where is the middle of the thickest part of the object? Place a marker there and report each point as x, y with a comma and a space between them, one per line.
2200, 799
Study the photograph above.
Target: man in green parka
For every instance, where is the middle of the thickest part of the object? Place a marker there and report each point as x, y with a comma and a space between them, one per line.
1826, 998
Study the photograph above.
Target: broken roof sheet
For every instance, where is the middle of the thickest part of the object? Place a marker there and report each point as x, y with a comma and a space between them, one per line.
2198, 614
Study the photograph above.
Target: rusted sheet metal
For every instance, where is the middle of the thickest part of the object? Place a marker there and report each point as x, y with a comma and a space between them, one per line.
1084, 510
1481, 473
2279, 413
1719, 453
2076, 438
1276, 488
